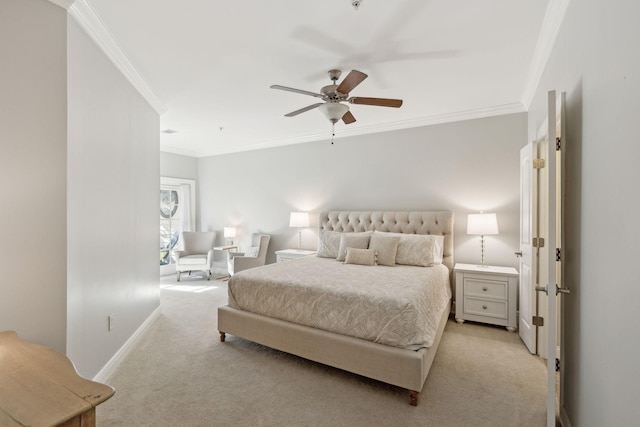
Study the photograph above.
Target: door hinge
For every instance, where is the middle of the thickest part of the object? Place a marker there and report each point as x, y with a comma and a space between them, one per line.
558, 255
538, 242
558, 144
538, 163
537, 321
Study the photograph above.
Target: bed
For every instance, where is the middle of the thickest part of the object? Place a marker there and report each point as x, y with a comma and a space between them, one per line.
323, 309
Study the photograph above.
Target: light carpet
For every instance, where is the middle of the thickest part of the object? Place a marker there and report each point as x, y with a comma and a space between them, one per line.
180, 374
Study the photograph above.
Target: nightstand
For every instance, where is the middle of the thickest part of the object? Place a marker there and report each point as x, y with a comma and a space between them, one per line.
289, 254
487, 294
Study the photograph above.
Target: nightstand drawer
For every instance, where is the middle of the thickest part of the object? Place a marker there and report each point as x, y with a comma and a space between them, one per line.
482, 307
485, 289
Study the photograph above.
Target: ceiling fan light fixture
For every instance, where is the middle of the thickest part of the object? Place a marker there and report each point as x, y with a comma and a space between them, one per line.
333, 111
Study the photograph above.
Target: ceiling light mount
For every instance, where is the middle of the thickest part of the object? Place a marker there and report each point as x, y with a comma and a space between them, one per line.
356, 4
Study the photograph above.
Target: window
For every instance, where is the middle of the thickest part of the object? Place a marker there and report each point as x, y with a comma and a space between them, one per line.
177, 214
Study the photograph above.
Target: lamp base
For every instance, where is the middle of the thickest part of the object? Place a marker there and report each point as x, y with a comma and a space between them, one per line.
482, 246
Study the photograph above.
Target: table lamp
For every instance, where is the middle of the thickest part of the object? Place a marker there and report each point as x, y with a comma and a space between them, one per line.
299, 219
482, 224
229, 233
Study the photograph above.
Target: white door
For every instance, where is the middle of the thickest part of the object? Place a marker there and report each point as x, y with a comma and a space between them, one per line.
563, 288
557, 286
528, 209
556, 106
541, 208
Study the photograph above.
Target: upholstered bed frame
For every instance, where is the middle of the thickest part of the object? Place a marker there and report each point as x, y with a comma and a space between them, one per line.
397, 366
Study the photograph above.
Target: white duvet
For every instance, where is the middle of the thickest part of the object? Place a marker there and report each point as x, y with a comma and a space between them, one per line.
398, 306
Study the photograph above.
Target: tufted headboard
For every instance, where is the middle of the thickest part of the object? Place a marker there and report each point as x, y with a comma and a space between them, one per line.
418, 222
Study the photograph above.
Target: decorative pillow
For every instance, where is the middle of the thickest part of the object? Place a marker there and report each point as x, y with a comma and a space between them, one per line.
328, 244
252, 251
386, 247
423, 250
360, 256
353, 240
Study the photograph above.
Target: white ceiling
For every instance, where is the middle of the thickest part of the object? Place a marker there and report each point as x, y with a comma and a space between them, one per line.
207, 65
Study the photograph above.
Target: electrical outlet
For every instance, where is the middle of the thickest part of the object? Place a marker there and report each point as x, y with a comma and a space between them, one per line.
110, 318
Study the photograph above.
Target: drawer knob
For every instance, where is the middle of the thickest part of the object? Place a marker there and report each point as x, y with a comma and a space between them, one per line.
484, 288
484, 307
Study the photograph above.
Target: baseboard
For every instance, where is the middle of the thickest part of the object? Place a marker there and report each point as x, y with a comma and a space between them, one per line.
110, 367
564, 418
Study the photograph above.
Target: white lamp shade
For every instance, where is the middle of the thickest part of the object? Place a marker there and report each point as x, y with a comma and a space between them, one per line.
333, 110
482, 224
299, 219
229, 232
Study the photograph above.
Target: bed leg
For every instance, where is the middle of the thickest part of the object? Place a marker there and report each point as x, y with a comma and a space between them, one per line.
222, 336
413, 398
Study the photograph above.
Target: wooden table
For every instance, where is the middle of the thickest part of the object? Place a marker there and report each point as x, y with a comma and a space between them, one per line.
40, 387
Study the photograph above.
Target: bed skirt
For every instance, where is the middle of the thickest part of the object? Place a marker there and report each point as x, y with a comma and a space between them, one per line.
400, 367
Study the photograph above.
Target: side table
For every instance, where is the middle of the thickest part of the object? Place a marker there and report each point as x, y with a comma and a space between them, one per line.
487, 294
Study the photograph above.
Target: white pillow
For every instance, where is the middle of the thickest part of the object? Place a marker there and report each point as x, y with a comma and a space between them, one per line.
386, 248
328, 244
422, 250
360, 256
353, 240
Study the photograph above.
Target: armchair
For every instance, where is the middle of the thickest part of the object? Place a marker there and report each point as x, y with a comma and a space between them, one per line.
197, 254
239, 261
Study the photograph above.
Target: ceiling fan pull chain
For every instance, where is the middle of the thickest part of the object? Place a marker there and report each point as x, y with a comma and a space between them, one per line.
333, 131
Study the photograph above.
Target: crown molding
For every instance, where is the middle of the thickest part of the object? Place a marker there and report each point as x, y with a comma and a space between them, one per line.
65, 4
89, 20
365, 130
553, 18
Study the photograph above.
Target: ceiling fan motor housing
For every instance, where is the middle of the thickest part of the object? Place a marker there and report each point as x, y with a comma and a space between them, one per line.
331, 94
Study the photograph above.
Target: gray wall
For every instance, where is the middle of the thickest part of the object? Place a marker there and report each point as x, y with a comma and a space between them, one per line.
80, 167
595, 61
113, 194
463, 167
178, 166
33, 118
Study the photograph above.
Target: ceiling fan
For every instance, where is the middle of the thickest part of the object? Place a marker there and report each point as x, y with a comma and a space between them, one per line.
334, 95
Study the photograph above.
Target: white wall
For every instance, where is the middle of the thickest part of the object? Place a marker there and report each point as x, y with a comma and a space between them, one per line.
33, 118
595, 61
113, 222
463, 167
178, 166
80, 168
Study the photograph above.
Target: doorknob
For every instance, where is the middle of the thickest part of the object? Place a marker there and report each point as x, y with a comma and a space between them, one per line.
518, 254
542, 289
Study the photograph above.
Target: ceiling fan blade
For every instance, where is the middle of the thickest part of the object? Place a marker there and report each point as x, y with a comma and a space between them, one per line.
290, 89
302, 110
353, 79
380, 102
348, 118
